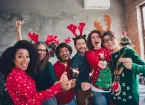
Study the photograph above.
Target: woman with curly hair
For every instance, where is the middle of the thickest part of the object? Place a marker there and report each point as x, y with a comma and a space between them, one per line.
44, 74
18, 63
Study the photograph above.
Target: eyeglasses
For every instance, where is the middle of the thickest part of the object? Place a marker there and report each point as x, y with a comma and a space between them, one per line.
107, 40
42, 50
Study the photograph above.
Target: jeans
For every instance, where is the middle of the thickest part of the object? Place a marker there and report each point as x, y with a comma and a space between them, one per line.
50, 101
73, 102
101, 98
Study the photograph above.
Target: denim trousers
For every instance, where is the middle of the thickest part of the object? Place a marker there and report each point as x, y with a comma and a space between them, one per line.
73, 102
100, 98
50, 101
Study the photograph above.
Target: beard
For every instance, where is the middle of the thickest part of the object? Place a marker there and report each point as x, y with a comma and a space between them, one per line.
64, 59
82, 51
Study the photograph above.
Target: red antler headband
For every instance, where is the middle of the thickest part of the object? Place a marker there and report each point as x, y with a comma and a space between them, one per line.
108, 21
50, 38
73, 28
81, 27
33, 36
67, 40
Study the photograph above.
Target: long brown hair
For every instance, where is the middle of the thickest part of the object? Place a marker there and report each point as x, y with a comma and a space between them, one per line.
90, 45
41, 64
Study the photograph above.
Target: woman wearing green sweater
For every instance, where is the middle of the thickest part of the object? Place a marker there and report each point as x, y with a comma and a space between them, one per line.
125, 79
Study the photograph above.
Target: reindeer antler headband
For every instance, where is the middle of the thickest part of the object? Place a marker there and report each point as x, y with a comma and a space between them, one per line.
50, 38
73, 29
108, 21
50, 42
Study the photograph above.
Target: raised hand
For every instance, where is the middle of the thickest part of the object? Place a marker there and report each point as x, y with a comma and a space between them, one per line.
64, 83
85, 86
19, 25
73, 83
127, 62
64, 77
102, 64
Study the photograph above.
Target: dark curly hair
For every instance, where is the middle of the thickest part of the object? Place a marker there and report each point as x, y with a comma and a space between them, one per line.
7, 57
79, 37
90, 45
62, 45
110, 33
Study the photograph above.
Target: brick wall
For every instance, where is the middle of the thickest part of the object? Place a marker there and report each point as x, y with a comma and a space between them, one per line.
133, 24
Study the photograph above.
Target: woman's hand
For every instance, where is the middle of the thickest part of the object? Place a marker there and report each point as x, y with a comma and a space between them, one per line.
102, 64
64, 83
19, 25
85, 86
64, 77
127, 62
73, 83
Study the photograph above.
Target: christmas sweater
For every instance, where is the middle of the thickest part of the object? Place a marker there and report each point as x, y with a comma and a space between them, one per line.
127, 93
101, 78
138, 69
67, 96
22, 89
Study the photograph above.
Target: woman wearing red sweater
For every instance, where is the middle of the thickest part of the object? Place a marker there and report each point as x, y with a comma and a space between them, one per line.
17, 63
99, 59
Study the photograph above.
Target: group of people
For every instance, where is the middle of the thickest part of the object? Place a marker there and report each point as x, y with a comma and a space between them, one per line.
108, 72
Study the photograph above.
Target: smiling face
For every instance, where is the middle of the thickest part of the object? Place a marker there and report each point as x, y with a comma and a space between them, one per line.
81, 46
22, 59
96, 40
110, 42
41, 51
64, 54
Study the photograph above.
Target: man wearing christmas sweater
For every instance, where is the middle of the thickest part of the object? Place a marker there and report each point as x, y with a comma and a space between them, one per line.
125, 81
63, 52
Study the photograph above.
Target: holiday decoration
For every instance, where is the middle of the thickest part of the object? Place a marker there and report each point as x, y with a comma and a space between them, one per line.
73, 29
51, 42
125, 41
108, 21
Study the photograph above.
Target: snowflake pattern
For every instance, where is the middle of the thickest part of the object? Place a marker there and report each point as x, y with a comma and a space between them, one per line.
124, 93
22, 89
128, 88
124, 100
119, 98
123, 74
123, 84
130, 97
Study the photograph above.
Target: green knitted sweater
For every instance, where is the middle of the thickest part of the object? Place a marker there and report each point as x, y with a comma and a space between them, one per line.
128, 78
